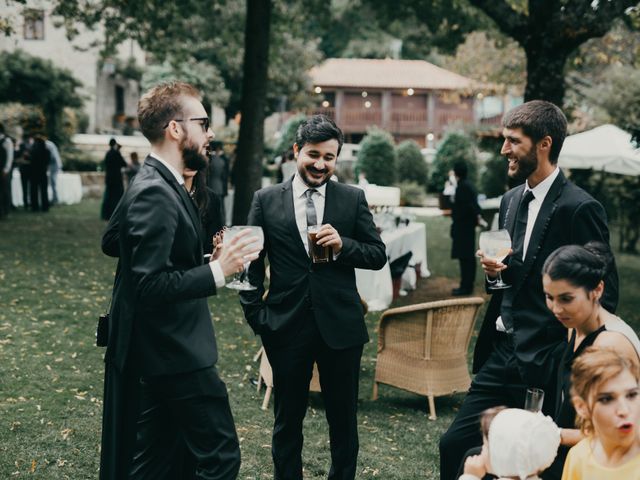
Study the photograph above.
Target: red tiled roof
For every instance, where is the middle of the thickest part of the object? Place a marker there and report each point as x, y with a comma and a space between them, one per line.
387, 74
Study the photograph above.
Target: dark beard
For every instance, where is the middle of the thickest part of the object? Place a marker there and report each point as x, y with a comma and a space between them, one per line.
526, 166
192, 158
312, 182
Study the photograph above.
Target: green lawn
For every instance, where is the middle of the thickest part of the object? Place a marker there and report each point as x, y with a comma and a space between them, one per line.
54, 281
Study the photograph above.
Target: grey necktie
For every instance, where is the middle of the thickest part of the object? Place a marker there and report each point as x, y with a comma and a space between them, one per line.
312, 218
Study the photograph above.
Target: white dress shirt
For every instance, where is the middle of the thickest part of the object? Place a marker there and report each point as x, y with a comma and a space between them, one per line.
539, 193
300, 206
216, 269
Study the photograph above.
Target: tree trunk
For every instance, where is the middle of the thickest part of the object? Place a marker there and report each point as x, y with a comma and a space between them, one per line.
545, 72
248, 165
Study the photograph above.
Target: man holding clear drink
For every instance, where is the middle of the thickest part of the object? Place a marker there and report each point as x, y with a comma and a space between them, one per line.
519, 341
312, 312
161, 354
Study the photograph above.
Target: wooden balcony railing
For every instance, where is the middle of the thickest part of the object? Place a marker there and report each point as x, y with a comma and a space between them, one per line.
399, 121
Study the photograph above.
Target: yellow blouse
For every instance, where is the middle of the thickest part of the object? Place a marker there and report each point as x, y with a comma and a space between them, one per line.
580, 465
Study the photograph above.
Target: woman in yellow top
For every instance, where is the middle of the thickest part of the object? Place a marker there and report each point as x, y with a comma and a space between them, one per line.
605, 392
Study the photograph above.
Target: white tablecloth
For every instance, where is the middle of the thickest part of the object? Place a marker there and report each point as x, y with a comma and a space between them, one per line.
69, 186
375, 286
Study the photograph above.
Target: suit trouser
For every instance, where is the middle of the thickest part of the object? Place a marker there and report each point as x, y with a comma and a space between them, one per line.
497, 383
292, 365
5, 193
467, 273
191, 409
39, 189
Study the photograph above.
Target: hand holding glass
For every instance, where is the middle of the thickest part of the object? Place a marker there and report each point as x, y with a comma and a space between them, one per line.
318, 253
496, 245
240, 281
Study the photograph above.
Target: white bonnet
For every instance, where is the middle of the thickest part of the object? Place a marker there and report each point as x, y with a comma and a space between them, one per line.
522, 443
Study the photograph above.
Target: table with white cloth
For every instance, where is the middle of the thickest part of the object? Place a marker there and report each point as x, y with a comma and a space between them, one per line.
69, 186
375, 286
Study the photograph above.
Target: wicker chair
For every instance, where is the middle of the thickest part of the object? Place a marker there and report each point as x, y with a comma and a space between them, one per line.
423, 348
265, 377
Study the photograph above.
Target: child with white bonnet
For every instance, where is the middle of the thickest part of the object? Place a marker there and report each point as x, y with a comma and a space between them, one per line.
517, 445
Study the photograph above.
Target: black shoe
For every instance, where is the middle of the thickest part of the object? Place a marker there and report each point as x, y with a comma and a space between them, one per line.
456, 292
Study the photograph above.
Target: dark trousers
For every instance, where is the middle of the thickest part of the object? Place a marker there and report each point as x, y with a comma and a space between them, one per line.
292, 365
497, 383
39, 189
5, 193
189, 409
25, 181
467, 273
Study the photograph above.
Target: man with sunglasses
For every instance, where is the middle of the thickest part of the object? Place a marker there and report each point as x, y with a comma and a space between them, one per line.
161, 354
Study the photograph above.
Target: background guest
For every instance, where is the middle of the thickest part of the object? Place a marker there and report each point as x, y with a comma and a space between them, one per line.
114, 188
217, 176
55, 166
39, 160
464, 216
288, 166
6, 164
23, 162
133, 167
208, 206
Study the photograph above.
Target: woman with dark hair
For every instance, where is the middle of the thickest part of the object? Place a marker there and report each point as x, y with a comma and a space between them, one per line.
573, 281
39, 158
208, 204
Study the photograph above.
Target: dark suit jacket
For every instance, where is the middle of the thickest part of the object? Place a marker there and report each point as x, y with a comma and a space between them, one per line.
159, 314
296, 283
567, 216
464, 216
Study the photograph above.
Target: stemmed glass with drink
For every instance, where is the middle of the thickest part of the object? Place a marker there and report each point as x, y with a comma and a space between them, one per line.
240, 281
496, 245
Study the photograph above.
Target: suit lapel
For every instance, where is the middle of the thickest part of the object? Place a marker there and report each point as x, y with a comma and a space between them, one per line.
512, 209
182, 193
543, 219
290, 213
329, 200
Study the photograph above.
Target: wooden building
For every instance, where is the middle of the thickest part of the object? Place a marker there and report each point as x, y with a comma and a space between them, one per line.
411, 99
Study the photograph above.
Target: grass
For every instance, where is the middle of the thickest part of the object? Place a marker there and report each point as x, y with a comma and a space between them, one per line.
54, 281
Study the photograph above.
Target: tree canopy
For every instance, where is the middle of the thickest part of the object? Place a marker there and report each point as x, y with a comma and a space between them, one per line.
37, 81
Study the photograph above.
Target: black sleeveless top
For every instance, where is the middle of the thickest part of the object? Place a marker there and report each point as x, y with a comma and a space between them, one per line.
565, 416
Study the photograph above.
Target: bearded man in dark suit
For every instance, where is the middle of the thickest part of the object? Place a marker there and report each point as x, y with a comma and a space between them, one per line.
519, 341
161, 353
312, 312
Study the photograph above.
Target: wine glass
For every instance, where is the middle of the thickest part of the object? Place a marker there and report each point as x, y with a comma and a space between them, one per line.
241, 282
496, 245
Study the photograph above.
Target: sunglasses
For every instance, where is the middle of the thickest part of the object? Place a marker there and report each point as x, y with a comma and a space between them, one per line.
204, 122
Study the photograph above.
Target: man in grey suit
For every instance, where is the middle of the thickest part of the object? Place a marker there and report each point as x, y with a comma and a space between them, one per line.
312, 312
161, 335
